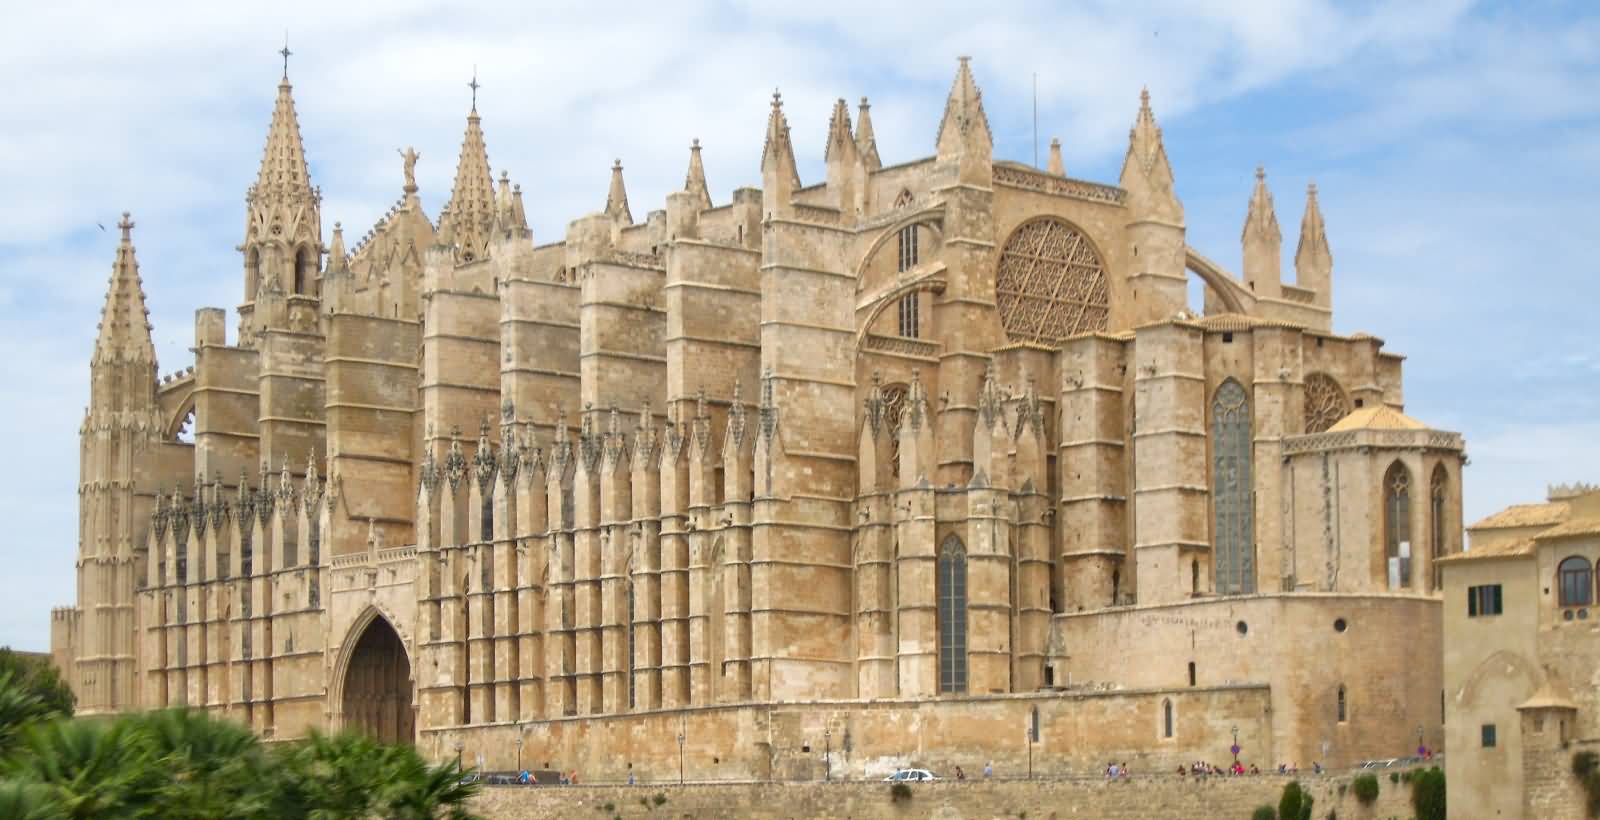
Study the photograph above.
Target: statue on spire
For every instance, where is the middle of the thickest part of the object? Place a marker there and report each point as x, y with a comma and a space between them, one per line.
410, 157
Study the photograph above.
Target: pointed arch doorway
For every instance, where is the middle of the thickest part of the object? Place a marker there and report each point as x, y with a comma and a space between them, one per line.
376, 693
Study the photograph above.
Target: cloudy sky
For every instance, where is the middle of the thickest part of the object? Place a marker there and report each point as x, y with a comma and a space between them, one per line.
1453, 144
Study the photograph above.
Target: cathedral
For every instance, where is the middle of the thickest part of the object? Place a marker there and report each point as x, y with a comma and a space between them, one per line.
925, 463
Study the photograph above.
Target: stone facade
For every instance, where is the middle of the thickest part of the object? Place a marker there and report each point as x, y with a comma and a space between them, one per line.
921, 445
1522, 657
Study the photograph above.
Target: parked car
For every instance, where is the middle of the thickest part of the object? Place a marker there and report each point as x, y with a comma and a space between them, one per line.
907, 775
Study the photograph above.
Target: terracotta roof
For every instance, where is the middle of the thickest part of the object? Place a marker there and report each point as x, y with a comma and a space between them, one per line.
1524, 515
1577, 526
1239, 321
1507, 549
1552, 694
1382, 417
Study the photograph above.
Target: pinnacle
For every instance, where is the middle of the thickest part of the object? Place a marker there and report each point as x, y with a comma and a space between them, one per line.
283, 162
1261, 216
964, 124
1313, 246
695, 180
471, 205
866, 141
124, 319
840, 137
778, 148
1056, 167
617, 196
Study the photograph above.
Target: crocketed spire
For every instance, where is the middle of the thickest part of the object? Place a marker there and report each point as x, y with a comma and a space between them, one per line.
124, 320
695, 180
1262, 241
964, 128
866, 142
1261, 219
471, 208
1146, 174
1313, 259
777, 154
841, 142
283, 163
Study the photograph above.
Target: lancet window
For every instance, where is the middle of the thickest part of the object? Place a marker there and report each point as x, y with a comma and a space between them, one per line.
908, 249
1166, 718
1438, 525
303, 270
1397, 525
1231, 485
952, 584
909, 320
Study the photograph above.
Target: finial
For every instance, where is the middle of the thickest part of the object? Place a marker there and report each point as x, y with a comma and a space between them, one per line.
338, 227
1261, 173
964, 59
127, 226
777, 99
864, 102
285, 52
1311, 189
474, 86
694, 145
616, 164
1144, 97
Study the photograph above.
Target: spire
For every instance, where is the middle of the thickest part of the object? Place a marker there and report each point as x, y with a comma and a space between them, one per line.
283, 164
866, 142
965, 128
1146, 175
777, 155
617, 197
695, 180
1262, 241
124, 321
841, 141
1313, 260
471, 205
338, 260
1056, 167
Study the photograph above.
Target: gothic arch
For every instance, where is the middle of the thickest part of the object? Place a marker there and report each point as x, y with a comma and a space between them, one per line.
375, 659
1502, 663
1233, 519
951, 588
1397, 492
931, 217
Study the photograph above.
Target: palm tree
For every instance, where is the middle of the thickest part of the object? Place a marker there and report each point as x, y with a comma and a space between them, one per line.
91, 768
212, 766
20, 707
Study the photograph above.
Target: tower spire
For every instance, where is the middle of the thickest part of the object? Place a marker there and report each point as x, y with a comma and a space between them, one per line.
777, 154
1146, 174
282, 244
1262, 241
866, 142
124, 334
617, 197
964, 127
695, 180
471, 208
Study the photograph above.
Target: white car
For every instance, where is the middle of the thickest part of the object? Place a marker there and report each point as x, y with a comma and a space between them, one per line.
908, 775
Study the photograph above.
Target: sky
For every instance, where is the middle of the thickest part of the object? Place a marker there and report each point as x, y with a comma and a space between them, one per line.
1453, 145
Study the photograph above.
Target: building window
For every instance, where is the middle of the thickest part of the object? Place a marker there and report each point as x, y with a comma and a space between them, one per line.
1231, 490
1397, 524
1488, 735
952, 616
1576, 582
1166, 718
908, 248
1344, 713
302, 272
487, 522
1436, 519
1483, 600
633, 689
909, 321
252, 275
1191, 673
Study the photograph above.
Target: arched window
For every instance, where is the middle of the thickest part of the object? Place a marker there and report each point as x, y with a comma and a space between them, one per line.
1576, 582
952, 616
633, 691
1437, 522
1343, 709
1194, 577
1231, 490
487, 522
908, 249
1397, 524
1166, 718
909, 321
1116, 585
302, 271
1191, 673
252, 274
903, 199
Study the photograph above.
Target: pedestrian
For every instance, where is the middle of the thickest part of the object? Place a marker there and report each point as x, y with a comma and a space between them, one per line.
988, 770
960, 775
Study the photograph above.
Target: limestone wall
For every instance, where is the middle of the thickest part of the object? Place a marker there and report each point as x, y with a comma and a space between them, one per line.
1140, 798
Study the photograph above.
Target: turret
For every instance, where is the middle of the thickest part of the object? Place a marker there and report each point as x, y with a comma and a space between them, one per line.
1056, 166
1313, 261
282, 244
779, 175
1263, 243
1155, 224
964, 134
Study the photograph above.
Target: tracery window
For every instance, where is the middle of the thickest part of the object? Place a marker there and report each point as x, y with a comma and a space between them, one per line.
903, 199
1231, 490
952, 591
907, 258
1437, 526
1576, 582
908, 316
1397, 524
1325, 402
1050, 284
894, 401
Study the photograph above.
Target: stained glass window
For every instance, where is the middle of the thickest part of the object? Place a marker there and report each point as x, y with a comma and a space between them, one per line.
952, 616
1397, 524
1231, 490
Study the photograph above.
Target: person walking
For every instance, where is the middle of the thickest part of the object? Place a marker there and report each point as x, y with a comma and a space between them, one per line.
988, 770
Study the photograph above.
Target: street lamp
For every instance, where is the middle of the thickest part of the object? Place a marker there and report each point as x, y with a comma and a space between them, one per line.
519, 749
1235, 747
680, 758
1422, 750
827, 754
459, 746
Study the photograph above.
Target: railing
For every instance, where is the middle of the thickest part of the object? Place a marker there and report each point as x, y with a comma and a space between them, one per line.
902, 345
1059, 186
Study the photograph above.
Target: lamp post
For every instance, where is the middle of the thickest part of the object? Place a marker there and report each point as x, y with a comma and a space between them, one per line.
680, 757
1422, 750
827, 754
1235, 747
519, 749
459, 746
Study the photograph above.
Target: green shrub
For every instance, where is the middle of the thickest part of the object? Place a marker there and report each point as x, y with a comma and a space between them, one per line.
1394, 777
1586, 766
660, 798
1289, 803
899, 791
1305, 805
1427, 794
1366, 788
1264, 813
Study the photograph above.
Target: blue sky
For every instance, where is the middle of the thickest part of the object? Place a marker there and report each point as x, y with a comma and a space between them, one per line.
1453, 144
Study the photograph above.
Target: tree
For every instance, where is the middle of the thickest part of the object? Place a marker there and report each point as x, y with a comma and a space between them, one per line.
1289, 803
39, 675
1427, 794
